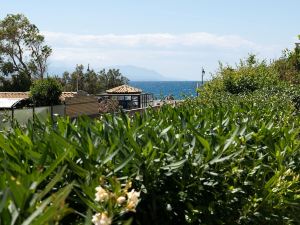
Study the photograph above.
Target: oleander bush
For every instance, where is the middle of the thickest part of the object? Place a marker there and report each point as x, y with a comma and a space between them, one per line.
230, 156
223, 159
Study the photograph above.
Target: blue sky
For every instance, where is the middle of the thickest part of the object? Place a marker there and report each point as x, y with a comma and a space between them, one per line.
175, 38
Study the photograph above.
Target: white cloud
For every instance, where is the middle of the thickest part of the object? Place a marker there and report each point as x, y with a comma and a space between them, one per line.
156, 40
173, 55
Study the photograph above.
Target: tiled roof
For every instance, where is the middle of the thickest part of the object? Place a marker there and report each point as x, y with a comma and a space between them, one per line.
65, 95
14, 94
124, 89
22, 95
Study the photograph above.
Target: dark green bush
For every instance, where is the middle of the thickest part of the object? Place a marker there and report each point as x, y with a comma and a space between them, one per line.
46, 92
234, 160
223, 158
248, 76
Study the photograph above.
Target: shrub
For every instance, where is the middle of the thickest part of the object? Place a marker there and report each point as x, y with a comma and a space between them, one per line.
234, 160
46, 92
288, 66
248, 76
219, 159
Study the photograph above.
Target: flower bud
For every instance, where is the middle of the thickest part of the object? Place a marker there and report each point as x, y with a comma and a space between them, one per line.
121, 200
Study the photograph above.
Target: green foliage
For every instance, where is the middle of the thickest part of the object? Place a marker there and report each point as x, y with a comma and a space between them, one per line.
234, 160
46, 92
20, 82
112, 78
23, 55
288, 66
92, 82
248, 76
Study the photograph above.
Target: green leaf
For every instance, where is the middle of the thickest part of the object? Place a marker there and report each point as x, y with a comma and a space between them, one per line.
53, 166
175, 165
204, 143
165, 131
122, 165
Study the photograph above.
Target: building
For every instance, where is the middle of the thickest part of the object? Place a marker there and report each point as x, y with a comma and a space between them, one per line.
128, 97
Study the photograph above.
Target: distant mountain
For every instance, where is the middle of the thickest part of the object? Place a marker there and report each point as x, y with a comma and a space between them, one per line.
134, 73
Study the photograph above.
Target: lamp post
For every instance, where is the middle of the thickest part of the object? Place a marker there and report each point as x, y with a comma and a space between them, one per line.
77, 78
203, 73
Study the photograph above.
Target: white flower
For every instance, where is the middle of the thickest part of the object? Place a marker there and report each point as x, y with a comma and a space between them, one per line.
133, 200
101, 219
101, 195
121, 200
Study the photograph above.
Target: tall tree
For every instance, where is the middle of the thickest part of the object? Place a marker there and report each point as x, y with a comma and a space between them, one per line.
77, 78
66, 81
112, 78
22, 48
91, 82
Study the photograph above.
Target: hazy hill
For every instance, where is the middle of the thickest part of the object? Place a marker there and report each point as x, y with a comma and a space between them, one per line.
133, 73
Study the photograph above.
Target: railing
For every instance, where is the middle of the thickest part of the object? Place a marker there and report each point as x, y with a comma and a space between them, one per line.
23, 116
73, 110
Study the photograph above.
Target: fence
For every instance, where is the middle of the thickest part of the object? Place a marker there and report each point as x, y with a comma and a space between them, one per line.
22, 116
73, 110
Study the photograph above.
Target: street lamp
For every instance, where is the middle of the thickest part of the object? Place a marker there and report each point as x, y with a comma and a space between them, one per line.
77, 78
203, 73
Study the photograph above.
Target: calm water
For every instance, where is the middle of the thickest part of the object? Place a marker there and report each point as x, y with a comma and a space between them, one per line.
161, 89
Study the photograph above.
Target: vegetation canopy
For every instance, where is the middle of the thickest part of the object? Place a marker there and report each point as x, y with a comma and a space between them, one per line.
46, 92
90, 81
23, 54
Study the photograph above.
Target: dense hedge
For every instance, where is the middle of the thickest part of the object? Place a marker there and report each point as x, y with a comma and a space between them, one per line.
231, 156
225, 159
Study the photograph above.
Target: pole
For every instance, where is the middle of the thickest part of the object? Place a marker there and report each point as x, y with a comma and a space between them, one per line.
77, 84
51, 112
203, 73
77, 78
65, 109
12, 116
33, 112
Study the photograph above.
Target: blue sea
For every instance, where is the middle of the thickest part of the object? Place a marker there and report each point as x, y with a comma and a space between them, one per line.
161, 89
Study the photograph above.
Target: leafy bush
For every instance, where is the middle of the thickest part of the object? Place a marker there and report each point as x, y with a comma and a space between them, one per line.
248, 76
234, 160
46, 92
231, 156
288, 65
